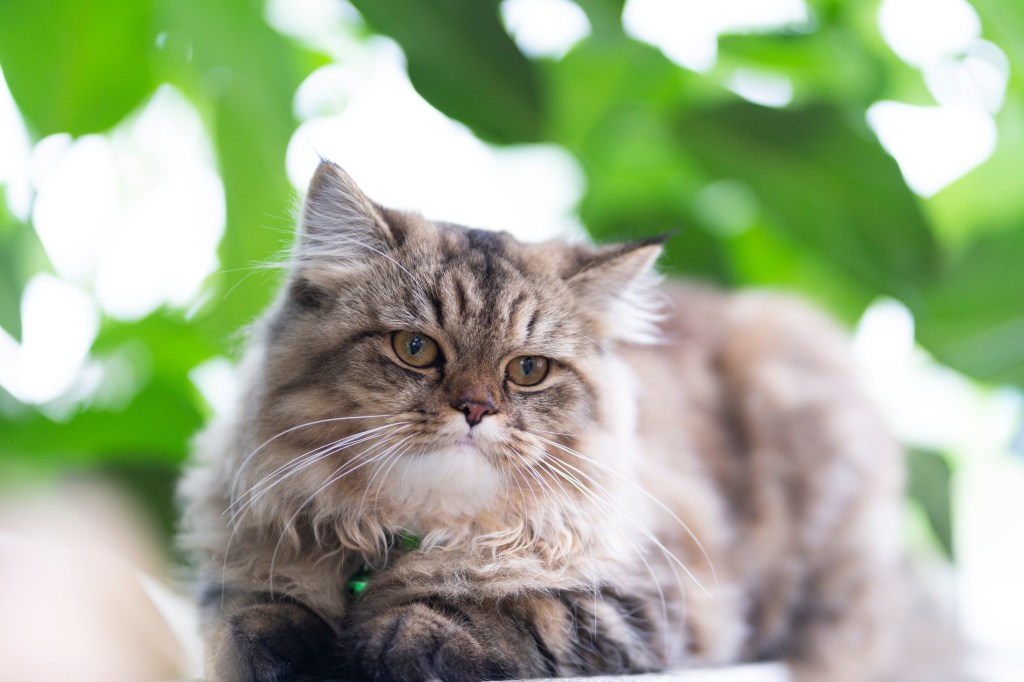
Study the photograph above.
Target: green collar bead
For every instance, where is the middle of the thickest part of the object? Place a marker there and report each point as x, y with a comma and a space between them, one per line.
361, 579
409, 541
358, 582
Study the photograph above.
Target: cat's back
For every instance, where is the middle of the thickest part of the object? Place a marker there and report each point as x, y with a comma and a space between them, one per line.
758, 388
729, 363
726, 361
753, 428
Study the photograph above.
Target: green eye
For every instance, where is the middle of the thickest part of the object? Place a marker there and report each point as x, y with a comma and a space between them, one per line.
415, 349
528, 370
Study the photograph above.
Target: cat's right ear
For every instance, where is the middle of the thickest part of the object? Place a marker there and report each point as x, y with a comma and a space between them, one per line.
339, 223
340, 230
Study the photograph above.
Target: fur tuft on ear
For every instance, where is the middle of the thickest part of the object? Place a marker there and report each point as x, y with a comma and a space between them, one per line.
618, 284
339, 225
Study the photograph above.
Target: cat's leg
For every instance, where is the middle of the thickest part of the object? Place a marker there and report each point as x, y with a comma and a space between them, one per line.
395, 635
260, 637
847, 624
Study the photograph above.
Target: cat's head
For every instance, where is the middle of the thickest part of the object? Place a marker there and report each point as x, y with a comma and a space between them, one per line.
416, 371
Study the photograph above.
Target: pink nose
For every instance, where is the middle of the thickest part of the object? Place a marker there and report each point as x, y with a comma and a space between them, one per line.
474, 410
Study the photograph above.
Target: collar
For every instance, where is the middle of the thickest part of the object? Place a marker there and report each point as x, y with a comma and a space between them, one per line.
360, 580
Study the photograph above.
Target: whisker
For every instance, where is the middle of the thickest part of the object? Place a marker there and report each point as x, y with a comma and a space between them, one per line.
394, 459
595, 342
636, 486
237, 515
236, 525
340, 473
603, 504
389, 454
309, 458
557, 433
514, 477
586, 547
296, 467
645, 531
248, 458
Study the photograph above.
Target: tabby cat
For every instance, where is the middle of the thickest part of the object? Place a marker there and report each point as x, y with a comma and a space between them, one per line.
458, 456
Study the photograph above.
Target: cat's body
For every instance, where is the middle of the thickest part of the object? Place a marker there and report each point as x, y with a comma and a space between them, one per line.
722, 494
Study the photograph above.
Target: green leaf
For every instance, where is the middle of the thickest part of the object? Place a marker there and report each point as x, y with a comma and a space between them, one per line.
827, 64
146, 408
173, 345
613, 104
605, 16
244, 76
21, 256
1003, 23
928, 484
606, 78
973, 318
828, 186
461, 60
764, 257
989, 196
155, 426
73, 66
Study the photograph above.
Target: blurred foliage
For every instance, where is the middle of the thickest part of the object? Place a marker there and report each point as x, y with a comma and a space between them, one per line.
801, 197
929, 479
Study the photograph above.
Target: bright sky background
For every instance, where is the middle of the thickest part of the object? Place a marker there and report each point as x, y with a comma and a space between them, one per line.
131, 219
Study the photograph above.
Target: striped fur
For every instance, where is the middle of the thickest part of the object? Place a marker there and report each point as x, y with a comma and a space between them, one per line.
722, 495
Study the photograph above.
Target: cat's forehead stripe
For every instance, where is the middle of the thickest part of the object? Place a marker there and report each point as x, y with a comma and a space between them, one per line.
437, 306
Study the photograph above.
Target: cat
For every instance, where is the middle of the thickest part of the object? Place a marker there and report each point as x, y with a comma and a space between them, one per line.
458, 456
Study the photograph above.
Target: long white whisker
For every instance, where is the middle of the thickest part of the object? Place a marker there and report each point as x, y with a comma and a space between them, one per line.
605, 505
388, 455
340, 473
652, 498
587, 547
514, 477
308, 458
568, 499
237, 515
557, 433
236, 526
241, 467
636, 522
298, 466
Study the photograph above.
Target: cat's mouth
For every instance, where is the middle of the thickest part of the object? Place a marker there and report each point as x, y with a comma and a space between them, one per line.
478, 439
469, 445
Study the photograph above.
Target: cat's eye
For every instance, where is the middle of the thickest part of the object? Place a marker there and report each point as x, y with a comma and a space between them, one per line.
528, 370
415, 349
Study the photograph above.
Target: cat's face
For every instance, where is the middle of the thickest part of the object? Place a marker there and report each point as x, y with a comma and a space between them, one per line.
420, 369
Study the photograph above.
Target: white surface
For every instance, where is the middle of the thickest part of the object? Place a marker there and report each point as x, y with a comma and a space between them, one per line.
761, 672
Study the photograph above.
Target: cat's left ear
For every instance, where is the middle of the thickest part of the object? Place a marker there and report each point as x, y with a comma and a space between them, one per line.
339, 221
617, 285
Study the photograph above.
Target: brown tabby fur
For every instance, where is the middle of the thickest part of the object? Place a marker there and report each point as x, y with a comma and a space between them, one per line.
716, 492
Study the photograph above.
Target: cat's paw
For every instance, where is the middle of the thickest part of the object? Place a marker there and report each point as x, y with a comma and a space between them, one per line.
273, 642
421, 641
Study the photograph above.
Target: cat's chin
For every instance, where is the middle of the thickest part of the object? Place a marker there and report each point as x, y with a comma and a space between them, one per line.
453, 481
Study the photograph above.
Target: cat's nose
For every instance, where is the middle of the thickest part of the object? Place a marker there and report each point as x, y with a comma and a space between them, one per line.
473, 398
475, 410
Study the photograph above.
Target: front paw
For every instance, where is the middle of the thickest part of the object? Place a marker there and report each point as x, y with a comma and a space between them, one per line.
272, 642
424, 641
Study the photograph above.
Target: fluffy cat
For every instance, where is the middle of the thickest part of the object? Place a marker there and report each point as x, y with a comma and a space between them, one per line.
459, 456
